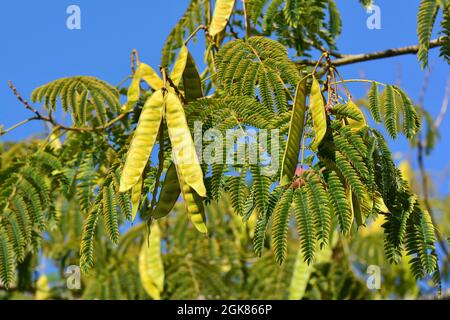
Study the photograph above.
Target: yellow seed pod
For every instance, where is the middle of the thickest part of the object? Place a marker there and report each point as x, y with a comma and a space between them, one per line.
183, 149
143, 141
222, 12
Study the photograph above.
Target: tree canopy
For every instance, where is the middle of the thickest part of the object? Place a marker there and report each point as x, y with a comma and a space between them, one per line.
259, 177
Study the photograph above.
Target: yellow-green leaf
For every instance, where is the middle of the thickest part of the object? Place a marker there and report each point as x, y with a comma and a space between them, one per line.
183, 148
296, 127
179, 66
300, 278
170, 191
353, 124
407, 173
357, 211
135, 198
302, 271
319, 117
379, 204
151, 268
348, 196
361, 208
222, 12
53, 139
193, 203
143, 141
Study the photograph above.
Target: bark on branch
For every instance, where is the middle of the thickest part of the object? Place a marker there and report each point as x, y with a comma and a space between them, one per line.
355, 58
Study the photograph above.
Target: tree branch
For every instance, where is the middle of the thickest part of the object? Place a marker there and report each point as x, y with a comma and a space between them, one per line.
426, 197
50, 119
19, 97
355, 58
2, 132
444, 105
246, 19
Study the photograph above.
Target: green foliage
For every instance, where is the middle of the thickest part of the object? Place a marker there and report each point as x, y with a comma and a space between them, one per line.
26, 203
420, 240
6, 259
425, 21
80, 96
340, 202
69, 199
411, 122
320, 209
264, 219
445, 48
259, 63
302, 24
374, 104
280, 227
390, 109
87, 242
366, 3
304, 219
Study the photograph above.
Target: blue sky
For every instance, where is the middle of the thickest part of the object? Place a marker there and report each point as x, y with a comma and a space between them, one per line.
37, 48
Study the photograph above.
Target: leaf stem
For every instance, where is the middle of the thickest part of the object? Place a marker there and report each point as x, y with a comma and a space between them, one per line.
200, 27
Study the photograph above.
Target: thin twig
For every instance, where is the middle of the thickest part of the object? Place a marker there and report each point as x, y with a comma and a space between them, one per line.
426, 196
134, 60
355, 58
50, 119
2, 132
323, 49
444, 105
19, 97
232, 31
424, 87
246, 20
421, 162
200, 27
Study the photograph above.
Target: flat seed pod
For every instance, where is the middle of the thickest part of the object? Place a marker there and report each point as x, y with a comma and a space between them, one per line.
296, 127
170, 191
43, 291
146, 73
192, 82
150, 76
193, 203
222, 12
179, 66
143, 141
151, 268
135, 198
133, 92
319, 117
183, 148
